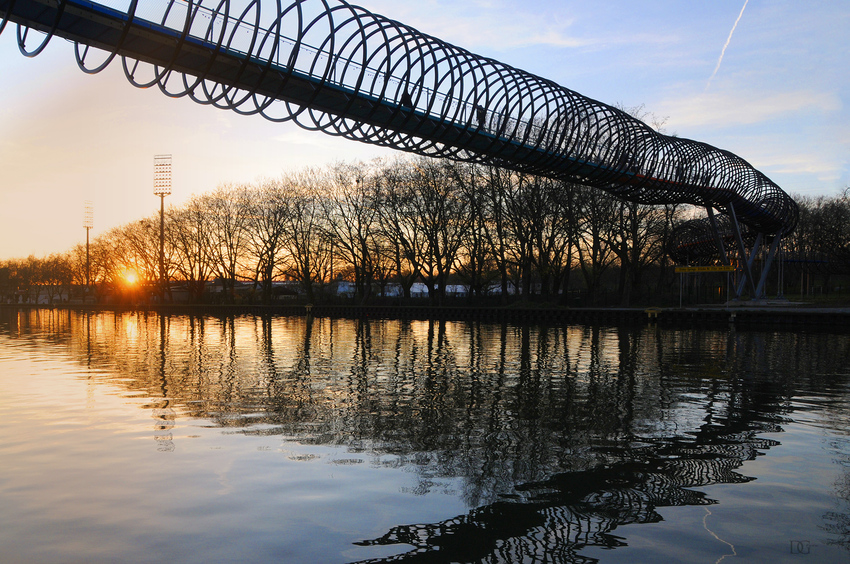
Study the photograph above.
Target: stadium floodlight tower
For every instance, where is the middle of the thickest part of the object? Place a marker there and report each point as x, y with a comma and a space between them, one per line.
88, 223
162, 188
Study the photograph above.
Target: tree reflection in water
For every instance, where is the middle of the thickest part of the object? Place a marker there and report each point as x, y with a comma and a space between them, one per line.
558, 435
837, 522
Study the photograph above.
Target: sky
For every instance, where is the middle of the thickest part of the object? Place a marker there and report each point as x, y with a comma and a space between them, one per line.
765, 79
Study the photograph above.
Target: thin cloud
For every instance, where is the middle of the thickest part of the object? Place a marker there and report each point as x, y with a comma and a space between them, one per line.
461, 23
728, 40
745, 107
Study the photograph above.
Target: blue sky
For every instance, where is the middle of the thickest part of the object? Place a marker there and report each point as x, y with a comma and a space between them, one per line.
780, 98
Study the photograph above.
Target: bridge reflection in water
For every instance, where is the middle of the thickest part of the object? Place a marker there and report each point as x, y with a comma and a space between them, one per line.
558, 435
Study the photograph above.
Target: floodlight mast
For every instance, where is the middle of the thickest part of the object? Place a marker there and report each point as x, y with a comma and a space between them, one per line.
88, 223
162, 188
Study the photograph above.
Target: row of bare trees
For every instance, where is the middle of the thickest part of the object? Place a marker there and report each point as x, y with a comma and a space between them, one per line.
38, 278
824, 227
819, 249
403, 221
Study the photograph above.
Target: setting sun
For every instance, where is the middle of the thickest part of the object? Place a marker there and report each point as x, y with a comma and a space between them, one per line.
131, 277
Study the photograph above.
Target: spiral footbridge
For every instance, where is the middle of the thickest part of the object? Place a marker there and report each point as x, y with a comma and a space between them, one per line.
337, 68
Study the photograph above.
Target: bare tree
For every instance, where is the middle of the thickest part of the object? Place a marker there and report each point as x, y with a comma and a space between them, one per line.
444, 214
76, 256
543, 211
353, 223
307, 247
639, 243
140, 239
188, 235
56, 276
28, 276
564, 235
596, 232
399, 223
268, 209
8, 286
666, 276
532, 230
497, 187
820, 245
111, 259
227, 218
476, 266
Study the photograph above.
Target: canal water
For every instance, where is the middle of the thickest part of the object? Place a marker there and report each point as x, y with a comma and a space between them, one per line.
133, 437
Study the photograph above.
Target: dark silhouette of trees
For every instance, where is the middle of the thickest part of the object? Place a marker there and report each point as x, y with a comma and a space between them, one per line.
476, 267
399, 222
820, 246
227, 214
497, 184
597, 232
443, 216
352, 223
189, 236
640, 239
407, 220
267, 208
307, 246
56, 276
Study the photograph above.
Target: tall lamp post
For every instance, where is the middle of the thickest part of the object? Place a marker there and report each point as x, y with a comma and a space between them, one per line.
88, 223
162, 188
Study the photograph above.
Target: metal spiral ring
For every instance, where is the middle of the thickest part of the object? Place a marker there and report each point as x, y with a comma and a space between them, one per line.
22, 33
81, 59
5, 19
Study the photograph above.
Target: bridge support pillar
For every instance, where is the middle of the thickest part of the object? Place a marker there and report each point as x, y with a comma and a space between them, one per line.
746, 262
774, 245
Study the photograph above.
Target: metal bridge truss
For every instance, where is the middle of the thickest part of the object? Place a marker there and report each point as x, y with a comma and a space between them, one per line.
717, 237
334, 67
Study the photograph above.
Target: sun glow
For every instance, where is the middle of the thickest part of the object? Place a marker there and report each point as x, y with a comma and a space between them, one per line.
131, 277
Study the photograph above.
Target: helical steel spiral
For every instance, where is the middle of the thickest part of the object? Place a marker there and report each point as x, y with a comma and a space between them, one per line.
334, 67
694, 241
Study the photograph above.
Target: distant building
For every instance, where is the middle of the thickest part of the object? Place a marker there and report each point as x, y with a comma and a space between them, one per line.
419, 290
457, 290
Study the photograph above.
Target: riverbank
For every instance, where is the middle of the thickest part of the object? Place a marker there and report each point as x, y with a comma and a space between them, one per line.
779, 314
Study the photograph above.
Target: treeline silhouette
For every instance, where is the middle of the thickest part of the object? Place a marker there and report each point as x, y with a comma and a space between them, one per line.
383, 226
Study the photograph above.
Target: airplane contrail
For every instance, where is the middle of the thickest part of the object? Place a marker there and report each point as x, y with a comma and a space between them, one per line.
728, 40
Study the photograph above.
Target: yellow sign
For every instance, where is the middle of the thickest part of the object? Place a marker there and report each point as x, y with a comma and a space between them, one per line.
687, 269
